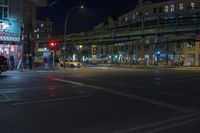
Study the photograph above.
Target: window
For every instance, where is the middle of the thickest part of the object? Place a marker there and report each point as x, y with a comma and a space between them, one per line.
193, 5
181, 6
4, 12
3, 2
160, 10
147, 41
133, 15
38, 36
42, 25
147, 13
172, 8
166, 9
126, 18
191, 44
155, 10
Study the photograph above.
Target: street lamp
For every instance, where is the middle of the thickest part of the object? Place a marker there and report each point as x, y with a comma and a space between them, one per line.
66, 21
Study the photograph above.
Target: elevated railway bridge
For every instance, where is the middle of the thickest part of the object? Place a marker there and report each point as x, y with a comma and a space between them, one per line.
168, 41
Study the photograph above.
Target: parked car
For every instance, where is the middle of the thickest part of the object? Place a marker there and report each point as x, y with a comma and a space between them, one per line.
69, 63
3, 64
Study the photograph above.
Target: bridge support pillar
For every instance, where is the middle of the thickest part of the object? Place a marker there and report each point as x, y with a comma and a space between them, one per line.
94, 54
197, 49
185, 51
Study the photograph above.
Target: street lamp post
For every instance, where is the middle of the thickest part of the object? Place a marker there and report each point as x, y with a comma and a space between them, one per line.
65, 26
79, 52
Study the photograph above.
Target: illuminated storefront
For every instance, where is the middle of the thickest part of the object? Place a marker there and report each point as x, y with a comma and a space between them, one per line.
9, 41
11, 22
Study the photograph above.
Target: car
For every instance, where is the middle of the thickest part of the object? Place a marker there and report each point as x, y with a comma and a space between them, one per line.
69, 63
38, 62
3, 64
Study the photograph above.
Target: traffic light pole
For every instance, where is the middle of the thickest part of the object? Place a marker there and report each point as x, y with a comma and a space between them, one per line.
53, 59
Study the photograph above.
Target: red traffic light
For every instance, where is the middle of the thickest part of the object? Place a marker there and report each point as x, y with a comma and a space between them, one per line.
52, 45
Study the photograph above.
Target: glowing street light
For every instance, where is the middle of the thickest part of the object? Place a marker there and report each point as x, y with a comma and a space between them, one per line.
80, 46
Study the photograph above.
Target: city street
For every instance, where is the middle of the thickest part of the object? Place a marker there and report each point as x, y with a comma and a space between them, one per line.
100, 100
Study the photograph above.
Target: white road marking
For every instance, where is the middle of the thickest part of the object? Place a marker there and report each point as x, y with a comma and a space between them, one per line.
132, 96
173, 125
51, 100
14, 89
154, 102
157, 123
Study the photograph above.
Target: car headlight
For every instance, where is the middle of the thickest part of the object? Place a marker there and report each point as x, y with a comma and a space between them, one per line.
75, 64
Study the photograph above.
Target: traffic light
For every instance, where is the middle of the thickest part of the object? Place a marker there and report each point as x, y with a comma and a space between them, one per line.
52, 45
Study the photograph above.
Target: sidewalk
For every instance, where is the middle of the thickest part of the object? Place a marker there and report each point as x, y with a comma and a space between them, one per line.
153, 67
149, 66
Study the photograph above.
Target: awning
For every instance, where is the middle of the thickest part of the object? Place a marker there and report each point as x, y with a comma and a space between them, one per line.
9, 39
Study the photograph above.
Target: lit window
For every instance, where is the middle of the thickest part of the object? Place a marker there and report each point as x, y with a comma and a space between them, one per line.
193, 5
133, 15
181, 6
38, 36
42, 25
172, 8
166, 9
147, 13
136, 13
126, 18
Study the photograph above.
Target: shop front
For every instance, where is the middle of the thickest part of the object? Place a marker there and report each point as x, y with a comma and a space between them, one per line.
10, 40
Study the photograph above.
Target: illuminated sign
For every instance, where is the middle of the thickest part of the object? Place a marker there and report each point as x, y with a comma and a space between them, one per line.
4, 26
94, 51
42, 49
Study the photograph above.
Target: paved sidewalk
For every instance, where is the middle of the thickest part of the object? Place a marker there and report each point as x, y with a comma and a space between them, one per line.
149, 67
114, 66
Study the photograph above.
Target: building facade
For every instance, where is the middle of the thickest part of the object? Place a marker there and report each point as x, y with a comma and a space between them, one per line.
17, 21
30, 23
11, 22
156, 32
43, 29
43, 32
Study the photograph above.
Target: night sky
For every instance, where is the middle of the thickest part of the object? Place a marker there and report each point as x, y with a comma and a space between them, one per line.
96, 11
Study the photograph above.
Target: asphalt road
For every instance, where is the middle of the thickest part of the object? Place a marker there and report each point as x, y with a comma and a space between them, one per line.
100, 100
